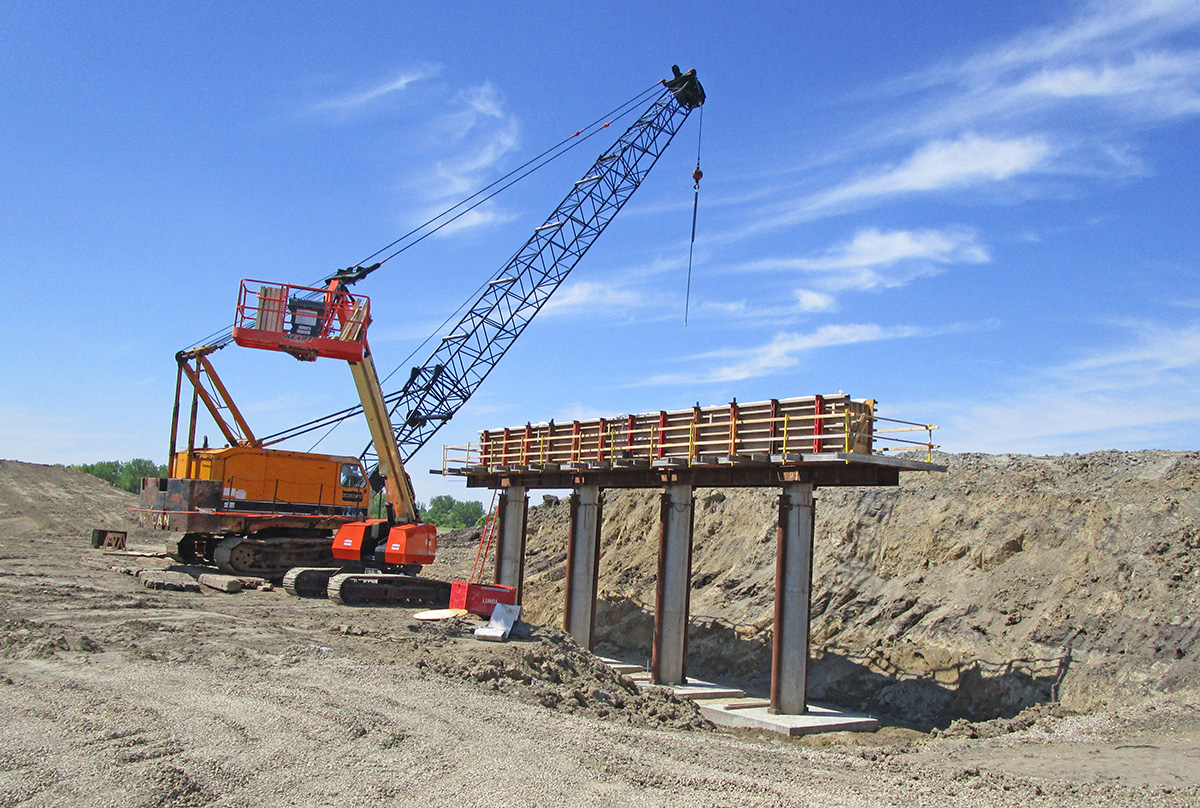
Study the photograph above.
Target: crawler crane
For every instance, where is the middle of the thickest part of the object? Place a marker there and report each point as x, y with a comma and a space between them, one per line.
263, 511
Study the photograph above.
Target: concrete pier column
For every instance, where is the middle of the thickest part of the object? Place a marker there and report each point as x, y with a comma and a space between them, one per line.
669, 660
583, 562
793, 589
510, 542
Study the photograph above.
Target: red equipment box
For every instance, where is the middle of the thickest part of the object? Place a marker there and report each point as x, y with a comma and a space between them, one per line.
480, 599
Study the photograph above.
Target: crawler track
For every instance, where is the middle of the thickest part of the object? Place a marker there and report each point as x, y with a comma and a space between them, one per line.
374, 589
309, 582
270, 557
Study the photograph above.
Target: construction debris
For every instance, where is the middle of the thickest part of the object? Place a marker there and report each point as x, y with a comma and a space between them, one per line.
165, 579
222, 583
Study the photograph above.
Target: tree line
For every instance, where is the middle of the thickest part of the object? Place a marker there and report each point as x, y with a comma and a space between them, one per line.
124, 474
444, 511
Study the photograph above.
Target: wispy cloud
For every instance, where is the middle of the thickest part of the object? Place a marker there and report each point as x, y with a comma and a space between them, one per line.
364, 98
1026, 107
810, 300
944, 164
782, 352
593, 295
1119, 57
1145, 393
874, 259
479, 132
876, 249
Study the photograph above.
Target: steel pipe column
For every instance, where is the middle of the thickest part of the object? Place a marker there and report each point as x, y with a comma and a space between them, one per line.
510, 543
583, 563
669, 660
793, 588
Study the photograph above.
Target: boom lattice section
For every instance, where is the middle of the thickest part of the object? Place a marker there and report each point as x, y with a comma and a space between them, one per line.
463, 359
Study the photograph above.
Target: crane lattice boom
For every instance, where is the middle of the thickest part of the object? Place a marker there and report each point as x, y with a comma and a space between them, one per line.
437, 389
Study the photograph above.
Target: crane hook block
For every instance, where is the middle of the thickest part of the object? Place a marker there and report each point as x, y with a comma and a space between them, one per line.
686, 88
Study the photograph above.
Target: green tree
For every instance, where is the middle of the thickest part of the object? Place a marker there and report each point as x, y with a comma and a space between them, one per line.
445, 511
124, 474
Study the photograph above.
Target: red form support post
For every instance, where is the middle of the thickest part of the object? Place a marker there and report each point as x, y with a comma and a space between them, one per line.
818, 423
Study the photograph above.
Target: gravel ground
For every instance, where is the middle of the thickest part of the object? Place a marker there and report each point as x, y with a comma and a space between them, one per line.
118, 695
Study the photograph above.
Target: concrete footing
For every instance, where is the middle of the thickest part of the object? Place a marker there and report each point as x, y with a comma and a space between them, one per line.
729, 707
758, 715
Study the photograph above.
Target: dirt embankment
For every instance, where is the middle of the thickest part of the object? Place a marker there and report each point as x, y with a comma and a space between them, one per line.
1008, 581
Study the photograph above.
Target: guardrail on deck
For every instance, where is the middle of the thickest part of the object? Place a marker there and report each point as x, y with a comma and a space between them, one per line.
779, 430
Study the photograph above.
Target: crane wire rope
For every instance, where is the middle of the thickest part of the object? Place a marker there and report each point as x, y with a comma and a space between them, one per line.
222, 337
696, 175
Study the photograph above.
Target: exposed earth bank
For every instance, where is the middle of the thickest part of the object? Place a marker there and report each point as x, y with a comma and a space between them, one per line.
1006, 582
1068, 584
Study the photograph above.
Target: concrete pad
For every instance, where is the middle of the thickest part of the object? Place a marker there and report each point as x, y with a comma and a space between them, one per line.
756, 715
622, 667
695, 689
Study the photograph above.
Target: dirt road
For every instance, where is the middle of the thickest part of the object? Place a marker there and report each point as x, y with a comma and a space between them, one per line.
113, 694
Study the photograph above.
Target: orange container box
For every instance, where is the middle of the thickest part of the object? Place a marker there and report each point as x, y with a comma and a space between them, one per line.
480, 599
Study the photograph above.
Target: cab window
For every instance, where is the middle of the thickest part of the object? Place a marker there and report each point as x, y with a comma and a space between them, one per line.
352, 476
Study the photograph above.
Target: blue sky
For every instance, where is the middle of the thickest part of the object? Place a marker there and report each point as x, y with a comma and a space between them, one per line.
983, 217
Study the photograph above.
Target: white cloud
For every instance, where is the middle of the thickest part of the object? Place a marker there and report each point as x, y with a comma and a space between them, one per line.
479, 133
875, 259
485, 214
873, 248
812, 301
1116, 56
1103, 29
1146, 393
592, 295
783, 351
366, 97
940, 165
1028, 106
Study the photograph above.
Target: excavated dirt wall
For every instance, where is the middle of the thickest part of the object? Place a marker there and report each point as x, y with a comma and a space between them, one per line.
1006, 582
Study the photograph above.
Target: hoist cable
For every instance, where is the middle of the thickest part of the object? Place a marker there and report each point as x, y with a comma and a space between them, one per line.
696, 175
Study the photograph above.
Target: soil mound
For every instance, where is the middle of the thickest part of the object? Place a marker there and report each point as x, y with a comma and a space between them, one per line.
552, 671
53, 501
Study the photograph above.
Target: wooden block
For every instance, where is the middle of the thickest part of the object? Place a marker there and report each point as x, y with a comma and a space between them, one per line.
221, 583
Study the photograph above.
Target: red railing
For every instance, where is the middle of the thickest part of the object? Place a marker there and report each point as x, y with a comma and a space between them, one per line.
304, 321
